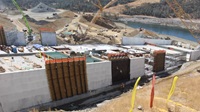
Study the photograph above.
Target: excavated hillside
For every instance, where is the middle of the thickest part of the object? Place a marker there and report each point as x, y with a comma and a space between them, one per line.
119, 8
185, 98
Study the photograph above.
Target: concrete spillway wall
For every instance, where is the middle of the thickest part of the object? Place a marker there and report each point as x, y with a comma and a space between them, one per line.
20, 90
137, 67
99, 75
142, 41
195, 55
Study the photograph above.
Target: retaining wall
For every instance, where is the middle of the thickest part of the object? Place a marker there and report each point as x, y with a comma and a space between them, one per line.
137, 68
48, 38
99, 75
15, 38
25, 89
141, 41
194, 55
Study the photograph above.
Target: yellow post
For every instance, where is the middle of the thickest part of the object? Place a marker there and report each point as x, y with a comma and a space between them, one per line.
172, 88
40, 55
134, 94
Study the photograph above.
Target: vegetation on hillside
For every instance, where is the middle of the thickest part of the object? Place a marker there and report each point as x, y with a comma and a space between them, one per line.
162, 10
75, 5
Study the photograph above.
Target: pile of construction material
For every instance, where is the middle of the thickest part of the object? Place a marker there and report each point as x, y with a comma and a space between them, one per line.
102, 22
41, 7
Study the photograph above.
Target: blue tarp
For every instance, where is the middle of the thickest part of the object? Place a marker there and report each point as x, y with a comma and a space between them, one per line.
37, 46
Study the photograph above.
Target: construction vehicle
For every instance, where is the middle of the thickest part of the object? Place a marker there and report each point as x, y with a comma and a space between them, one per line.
180, 13
79, 33
101, 9
29, 36
82, 34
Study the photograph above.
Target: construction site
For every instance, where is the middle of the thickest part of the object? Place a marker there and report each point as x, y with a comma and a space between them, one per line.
59, 60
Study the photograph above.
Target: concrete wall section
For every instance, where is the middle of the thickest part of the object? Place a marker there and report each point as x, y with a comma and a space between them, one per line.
132, 41
159, 41
48, 38
99, 75
194, 55
15, 38
20, 90
137, 68
141, 41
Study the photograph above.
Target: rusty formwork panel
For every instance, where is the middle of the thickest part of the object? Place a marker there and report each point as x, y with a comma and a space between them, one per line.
120, 67
159, 60
2, 36
84, 83
66, 77
61, 80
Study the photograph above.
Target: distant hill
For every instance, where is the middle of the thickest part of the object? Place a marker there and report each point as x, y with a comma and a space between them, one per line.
74, 5
2, 6
41, 7
162, 9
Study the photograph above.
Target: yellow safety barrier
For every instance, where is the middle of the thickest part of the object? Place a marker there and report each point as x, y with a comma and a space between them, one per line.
134, 94
172, 88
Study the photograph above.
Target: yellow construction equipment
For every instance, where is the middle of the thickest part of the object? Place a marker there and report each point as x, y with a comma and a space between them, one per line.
101, 9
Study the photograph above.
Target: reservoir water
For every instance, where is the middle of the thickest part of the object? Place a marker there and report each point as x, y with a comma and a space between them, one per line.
166, 30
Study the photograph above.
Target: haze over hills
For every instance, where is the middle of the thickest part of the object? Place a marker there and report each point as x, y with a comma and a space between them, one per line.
162, 9
157, 8
75, 5
2, 5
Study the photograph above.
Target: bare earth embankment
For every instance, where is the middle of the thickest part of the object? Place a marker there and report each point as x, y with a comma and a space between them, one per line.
185, 98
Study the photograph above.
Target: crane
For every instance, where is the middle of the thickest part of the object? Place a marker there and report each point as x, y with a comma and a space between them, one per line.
30, 37
180, 13
101, 8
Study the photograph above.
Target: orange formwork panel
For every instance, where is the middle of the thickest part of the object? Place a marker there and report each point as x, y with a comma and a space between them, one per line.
77, 76
82, 76
159, 60
72, 78
55, 81
2, 36
50, 82
67, 79
61, 80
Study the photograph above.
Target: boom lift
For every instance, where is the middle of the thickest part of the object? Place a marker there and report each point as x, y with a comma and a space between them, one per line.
30, 36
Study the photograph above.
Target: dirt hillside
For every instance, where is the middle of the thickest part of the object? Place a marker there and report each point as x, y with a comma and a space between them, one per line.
185, 98
5, 22
120, 8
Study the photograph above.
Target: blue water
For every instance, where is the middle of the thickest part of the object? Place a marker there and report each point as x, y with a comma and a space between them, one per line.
166, 30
